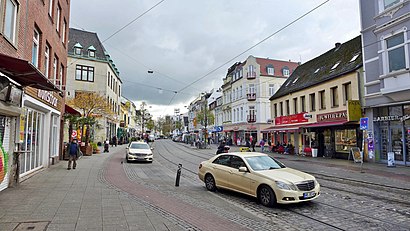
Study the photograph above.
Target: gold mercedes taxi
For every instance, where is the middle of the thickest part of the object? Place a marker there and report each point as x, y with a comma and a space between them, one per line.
258, 175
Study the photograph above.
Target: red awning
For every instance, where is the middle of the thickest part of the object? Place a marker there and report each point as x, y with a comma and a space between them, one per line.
325, 124
72, 111
24, 73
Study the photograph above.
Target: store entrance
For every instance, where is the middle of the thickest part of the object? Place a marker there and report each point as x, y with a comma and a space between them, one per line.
396, 144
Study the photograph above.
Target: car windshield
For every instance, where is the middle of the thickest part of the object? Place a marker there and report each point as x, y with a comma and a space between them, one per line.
258, 163
139, 146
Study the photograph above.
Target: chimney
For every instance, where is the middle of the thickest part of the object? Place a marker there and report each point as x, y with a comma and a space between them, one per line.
337, 45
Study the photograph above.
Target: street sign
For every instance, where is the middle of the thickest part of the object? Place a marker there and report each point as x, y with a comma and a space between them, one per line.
364, 123
218, 128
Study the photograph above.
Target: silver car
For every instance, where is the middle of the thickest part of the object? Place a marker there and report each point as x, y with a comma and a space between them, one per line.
138, 151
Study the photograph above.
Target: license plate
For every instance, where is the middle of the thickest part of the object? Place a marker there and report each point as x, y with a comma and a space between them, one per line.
309, 194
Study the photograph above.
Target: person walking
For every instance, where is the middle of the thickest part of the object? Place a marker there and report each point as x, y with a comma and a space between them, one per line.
253, 143
73, 151
262, 144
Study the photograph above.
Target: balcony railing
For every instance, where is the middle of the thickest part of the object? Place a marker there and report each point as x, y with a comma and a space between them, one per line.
251, 96
251, 118
251, 75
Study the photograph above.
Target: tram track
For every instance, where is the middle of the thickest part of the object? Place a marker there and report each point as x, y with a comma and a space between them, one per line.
314, 214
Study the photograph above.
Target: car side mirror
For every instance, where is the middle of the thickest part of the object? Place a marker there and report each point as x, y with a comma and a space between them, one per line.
243, 169
152, 148
127, 148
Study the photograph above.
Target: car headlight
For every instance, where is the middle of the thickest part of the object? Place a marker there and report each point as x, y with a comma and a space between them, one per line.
285, 186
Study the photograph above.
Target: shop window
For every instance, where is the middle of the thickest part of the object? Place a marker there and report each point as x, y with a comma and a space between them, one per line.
345, 140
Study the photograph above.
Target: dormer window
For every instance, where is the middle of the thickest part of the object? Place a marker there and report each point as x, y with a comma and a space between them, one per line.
286, 72
334, 66
91, 51
77, 49
270, 70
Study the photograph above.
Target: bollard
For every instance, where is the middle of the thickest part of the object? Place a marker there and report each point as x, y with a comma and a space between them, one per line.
178, 175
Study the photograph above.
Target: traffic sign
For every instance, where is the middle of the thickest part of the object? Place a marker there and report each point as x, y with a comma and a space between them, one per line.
364, 123
74, 133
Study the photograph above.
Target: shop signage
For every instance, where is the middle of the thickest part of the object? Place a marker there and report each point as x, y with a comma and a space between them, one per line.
391, 118
291, 119
48, 97
354, 110
236, 128
333, 116
251, 127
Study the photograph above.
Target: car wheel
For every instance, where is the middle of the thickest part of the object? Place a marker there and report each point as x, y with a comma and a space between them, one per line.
210, 182
266, 196
127, 159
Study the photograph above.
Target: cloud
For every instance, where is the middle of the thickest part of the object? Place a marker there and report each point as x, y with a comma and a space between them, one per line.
185, 40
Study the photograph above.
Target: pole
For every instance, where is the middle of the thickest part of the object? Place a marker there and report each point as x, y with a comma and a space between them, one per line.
178, 175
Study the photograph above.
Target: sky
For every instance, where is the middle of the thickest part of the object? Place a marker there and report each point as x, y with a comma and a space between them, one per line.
188, 45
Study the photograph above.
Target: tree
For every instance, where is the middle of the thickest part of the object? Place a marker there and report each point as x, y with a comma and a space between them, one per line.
90, 105
143, 116
150, 124
205, 120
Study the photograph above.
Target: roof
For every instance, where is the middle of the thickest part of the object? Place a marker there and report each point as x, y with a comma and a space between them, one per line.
319, 69
278, 66
86, 40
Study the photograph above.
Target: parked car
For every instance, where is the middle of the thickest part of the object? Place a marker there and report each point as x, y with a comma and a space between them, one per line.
258, 175
139, 151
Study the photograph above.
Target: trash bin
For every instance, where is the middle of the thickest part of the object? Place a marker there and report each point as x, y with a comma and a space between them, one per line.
390, 159
314, 152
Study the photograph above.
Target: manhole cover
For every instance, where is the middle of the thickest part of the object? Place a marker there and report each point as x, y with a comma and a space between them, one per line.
32, 226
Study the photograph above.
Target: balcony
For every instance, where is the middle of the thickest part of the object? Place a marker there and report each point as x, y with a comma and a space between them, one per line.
251, 118
251, 75
251, 96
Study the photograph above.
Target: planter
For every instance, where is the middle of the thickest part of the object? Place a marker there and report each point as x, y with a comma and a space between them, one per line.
86, 150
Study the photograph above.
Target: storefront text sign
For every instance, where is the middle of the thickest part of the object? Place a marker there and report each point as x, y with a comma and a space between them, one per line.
291, 119
391, 118
354, 110
48, 97
333, 116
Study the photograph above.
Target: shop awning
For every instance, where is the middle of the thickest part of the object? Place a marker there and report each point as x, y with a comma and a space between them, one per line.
325, 124
70, 110
284, 128
24, 73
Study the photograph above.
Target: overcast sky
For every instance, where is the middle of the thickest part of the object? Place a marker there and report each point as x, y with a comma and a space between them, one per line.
184, 40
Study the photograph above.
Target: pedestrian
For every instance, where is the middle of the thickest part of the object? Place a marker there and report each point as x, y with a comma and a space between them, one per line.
253, 143
73, 151
114, 141
106, 145
262, 144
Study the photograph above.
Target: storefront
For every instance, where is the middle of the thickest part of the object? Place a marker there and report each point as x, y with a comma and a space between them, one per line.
391, 127
334, 135
39, 136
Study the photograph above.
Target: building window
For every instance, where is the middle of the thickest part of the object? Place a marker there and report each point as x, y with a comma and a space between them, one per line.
295, 105
55, 61
335, 96
384, 4
58, 18
84, 73
286, 72
275, 110
10, 20
347, 92
251, 88
322, 100
77, 49
287, 107
50, 9
303, 104
60, 78
47, 61
281, 108
396, 55
91, 53
271, 89
36, 43
241, 113
312, 100
271, 70
64, 31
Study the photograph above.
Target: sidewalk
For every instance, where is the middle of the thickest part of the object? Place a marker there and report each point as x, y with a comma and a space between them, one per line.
61, 199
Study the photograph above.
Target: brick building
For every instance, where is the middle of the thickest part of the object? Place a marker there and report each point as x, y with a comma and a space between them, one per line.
33, 61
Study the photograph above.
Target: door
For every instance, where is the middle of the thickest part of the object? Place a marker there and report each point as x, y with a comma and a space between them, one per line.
396, 144
239, 181
221, 170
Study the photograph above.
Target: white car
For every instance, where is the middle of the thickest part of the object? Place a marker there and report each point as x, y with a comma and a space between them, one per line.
139, 151
258, 175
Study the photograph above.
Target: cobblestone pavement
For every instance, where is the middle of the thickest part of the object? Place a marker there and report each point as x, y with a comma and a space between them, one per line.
105, 194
